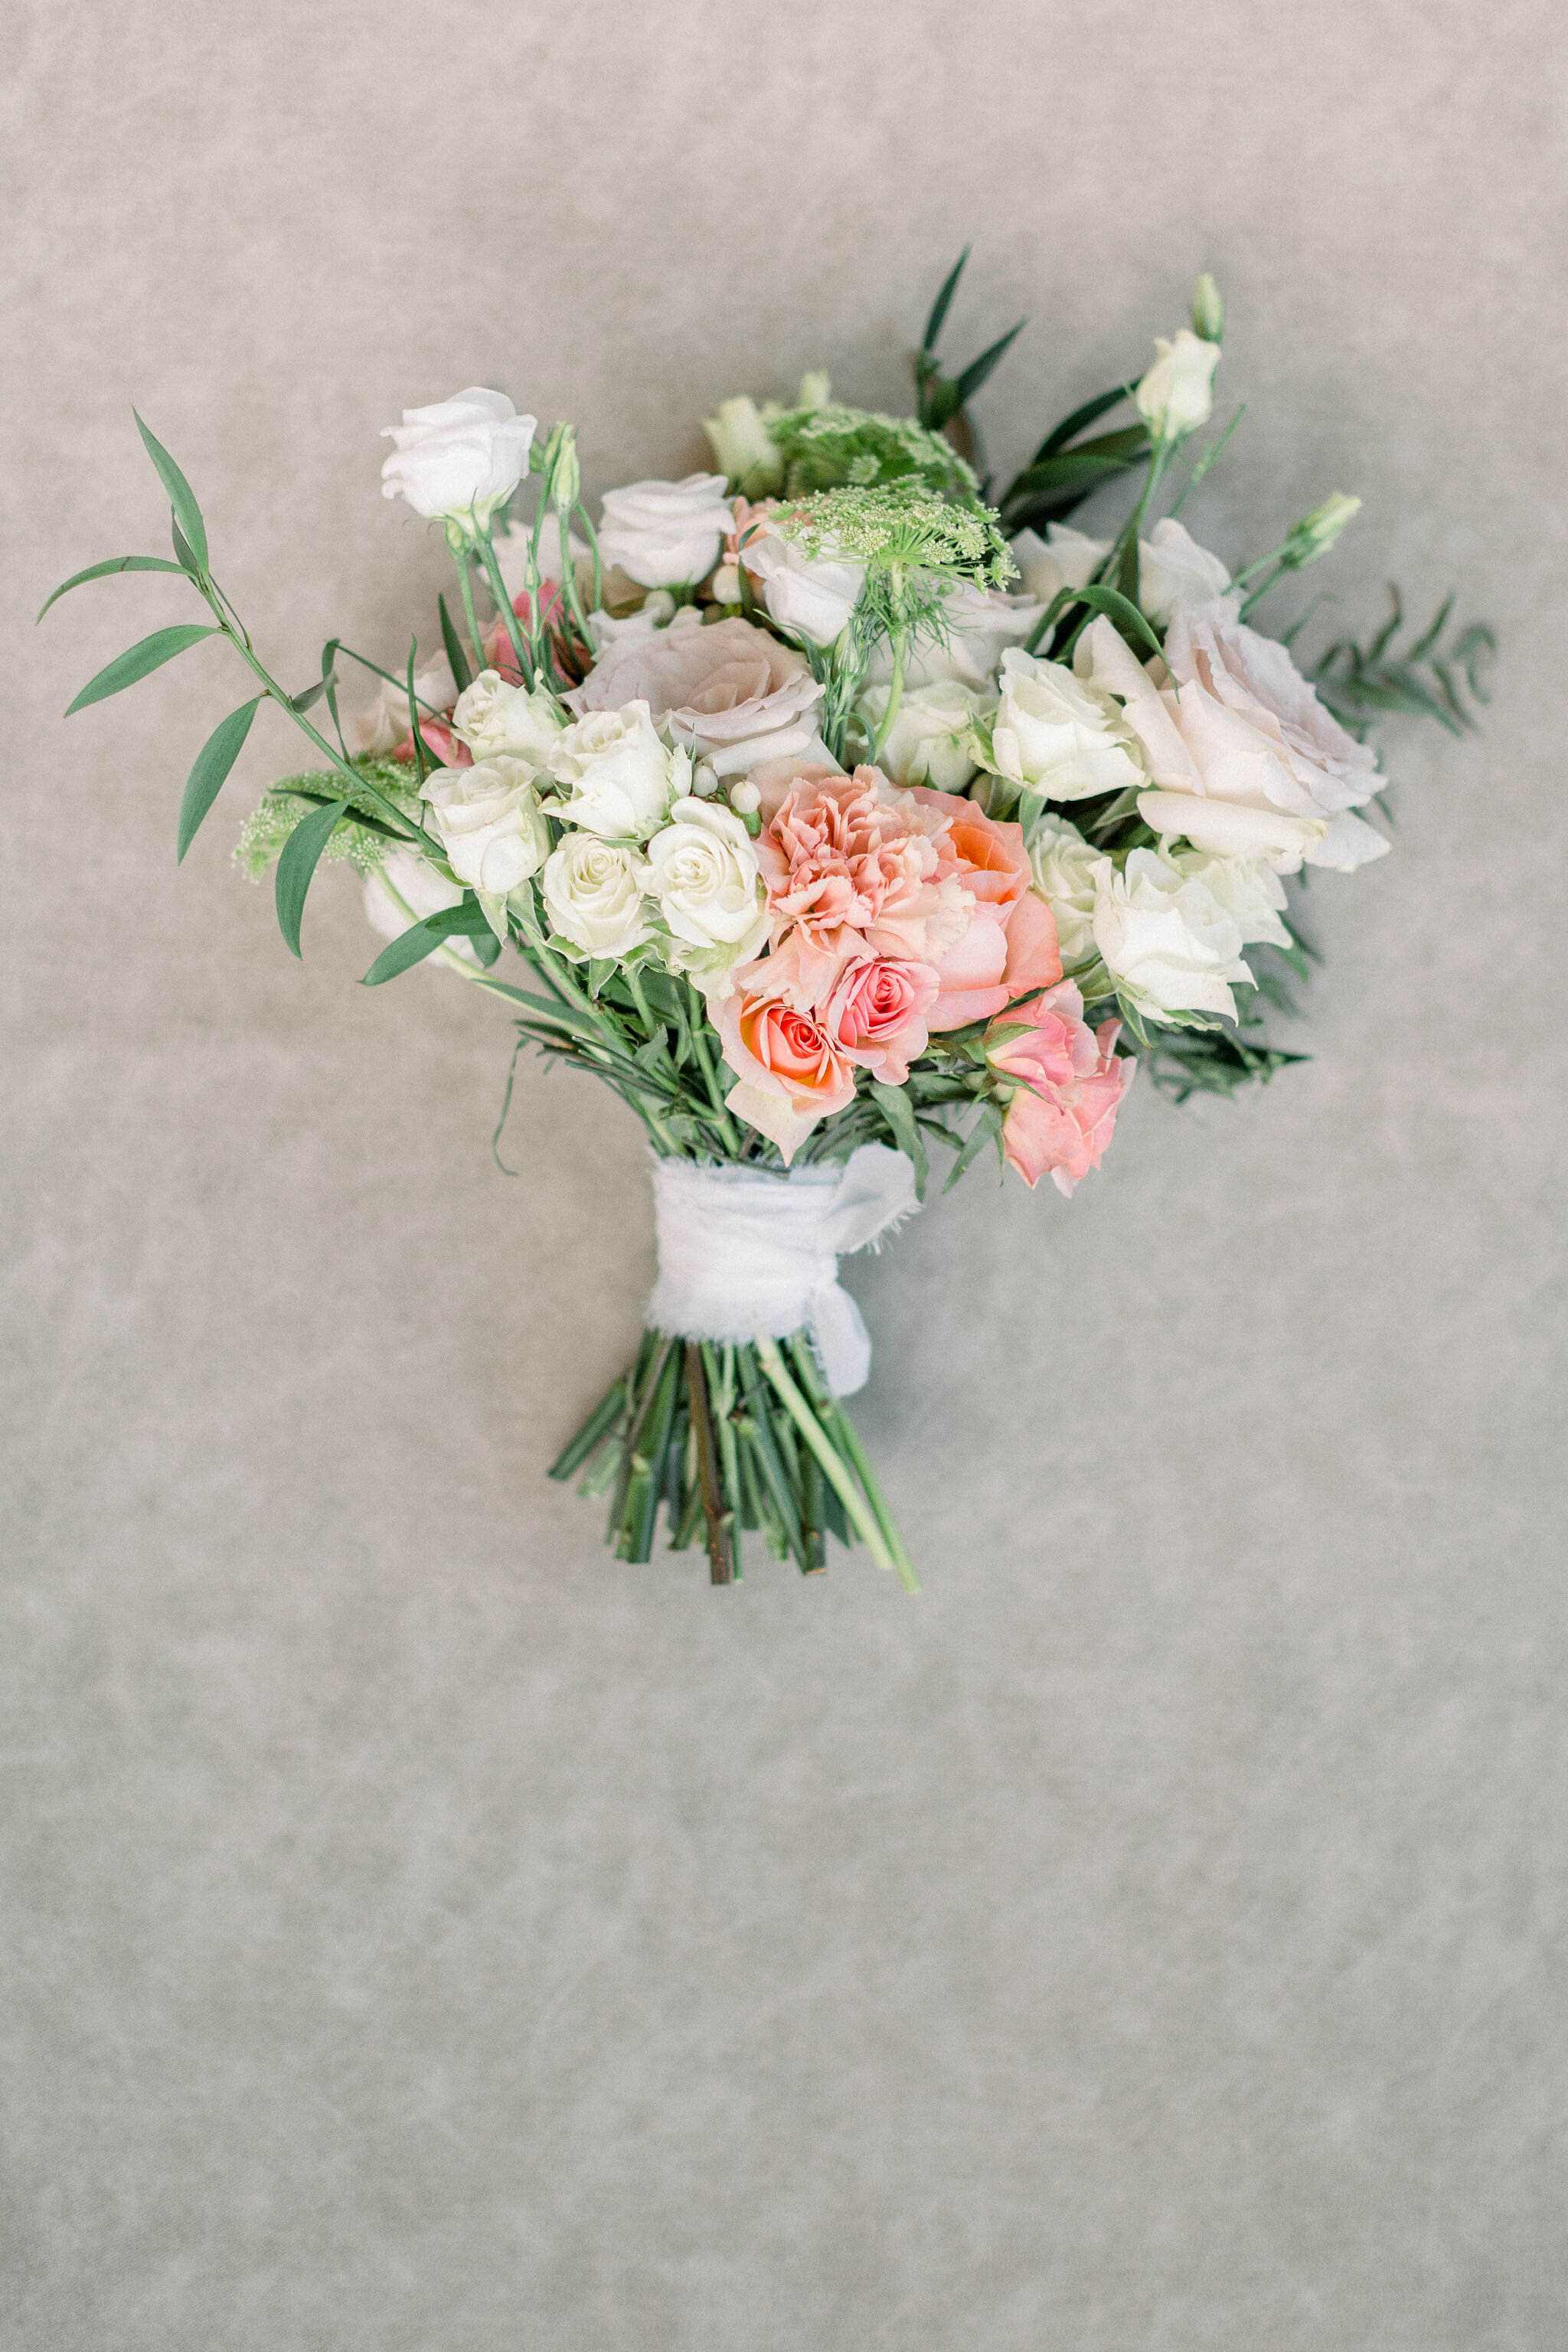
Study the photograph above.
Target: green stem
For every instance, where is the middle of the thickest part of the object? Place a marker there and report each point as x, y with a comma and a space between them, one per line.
855, 1504
491, 562
466, 584
894, 694
592, 538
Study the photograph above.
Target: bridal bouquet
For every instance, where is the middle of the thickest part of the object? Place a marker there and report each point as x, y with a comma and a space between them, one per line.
837, 818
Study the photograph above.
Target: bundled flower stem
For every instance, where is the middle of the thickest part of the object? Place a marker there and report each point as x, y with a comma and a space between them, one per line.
830, 815
731, 1438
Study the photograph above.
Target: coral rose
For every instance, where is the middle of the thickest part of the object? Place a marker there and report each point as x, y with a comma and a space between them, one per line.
792, 1074
1071, 1082
1010, 945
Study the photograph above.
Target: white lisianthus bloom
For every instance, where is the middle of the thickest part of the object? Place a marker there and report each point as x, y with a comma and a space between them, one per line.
492, 717
1065, 558
1166, 940
931, 738
812, 596
1247, 888
1243, 758
1067, 870
616, 776
1057, 735
1174, 569
459, 459
385, 723
976, 627
1177, 394
742, 444
401, 890
594, 896
666, 534
489, 821
703, 871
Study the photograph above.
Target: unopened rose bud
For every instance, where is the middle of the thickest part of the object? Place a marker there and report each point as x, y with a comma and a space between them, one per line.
1177, 394
1316, 533
1208, 311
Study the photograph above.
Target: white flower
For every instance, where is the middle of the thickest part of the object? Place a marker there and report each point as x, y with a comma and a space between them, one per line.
594, 896
703, 871
619, 778
1172, 568
492, 717
666, 534
384, 723
401, 890
1166, 940
1248, 889
931, 738
656, 610
1067, 870
487, 820
1178, 393
812, 596
977, 625
1065, 558
742, 444
459, 459
1059, 736
1245, 759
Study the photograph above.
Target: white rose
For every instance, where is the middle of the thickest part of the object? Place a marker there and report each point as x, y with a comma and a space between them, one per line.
491, 716
594, 896
618, 776
666, 534
1177, 394
1059, 736
1166, 940
401, 890
811, 596
384, 723
487, 820
1174, 569
459, 459
1248, 889
742, 444
703, 871
1063, 559
931, 738
1067, 870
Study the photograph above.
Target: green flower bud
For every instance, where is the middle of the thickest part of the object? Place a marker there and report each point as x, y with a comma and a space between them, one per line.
1208, 311
1316, 533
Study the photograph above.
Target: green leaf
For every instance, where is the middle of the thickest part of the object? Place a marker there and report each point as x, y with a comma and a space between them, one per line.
988, 1124
967, 384
411, 946
893, 1102
183, 549
938, 308
213, 760
1071, 426
187, 514
140, 661
454, 645
1126, 616
107, 570
297, 866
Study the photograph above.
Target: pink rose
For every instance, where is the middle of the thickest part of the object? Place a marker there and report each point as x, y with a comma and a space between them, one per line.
791, 1071
719, 686
877, 1014
1071, 1080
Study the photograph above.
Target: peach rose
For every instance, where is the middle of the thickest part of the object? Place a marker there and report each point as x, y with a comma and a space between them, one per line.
791, 1073
1071, 1081
1008, 948
877, 1014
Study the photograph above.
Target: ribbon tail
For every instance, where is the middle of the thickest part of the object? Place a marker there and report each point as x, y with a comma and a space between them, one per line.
839, 1335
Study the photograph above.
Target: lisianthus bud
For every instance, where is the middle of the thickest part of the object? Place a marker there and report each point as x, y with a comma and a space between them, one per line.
1316, 533
1208, 311
742, 444
1177, 394
816, 389
565, 477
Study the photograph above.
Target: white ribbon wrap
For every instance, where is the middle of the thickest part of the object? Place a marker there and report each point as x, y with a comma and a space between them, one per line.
745, 1254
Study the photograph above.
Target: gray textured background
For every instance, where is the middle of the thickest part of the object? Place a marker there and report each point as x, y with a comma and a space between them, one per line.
422, 1934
